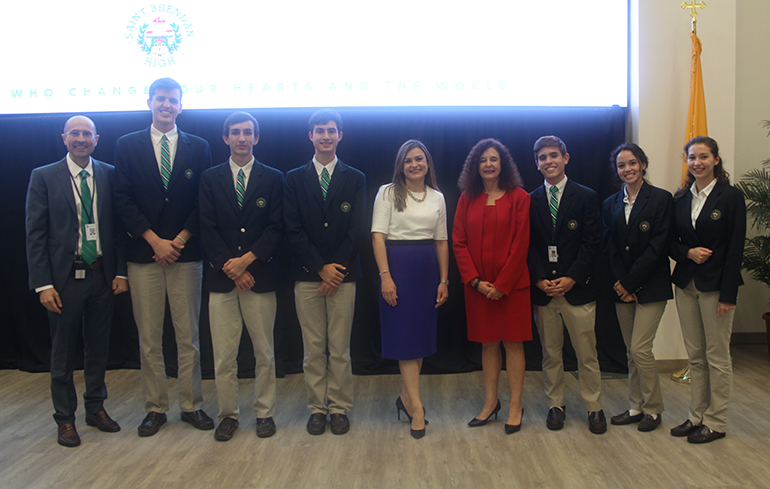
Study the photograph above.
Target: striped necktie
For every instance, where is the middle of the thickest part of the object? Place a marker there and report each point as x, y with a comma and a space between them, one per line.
325, 179
165, 161
553, 204
240, 191
87, 248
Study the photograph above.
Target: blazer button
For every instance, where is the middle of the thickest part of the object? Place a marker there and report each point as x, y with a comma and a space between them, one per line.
239, 248
243, 230
166, 199
326, 224
627, 248
553, 272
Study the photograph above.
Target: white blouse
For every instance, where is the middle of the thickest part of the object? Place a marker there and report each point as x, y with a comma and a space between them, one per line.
419, 220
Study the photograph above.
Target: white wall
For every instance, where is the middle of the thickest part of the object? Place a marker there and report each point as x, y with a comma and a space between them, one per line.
736, 77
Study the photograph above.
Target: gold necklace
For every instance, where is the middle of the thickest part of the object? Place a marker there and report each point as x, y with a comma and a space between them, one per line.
424, 195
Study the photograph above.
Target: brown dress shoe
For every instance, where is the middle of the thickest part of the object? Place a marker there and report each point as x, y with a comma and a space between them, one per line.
684, 429
596, 422
704, 435
103, 422
649, 422
340, 424
316, 425
626, 418
199, 419
68, 435
151, 423
226, 429
265, 427
555, 419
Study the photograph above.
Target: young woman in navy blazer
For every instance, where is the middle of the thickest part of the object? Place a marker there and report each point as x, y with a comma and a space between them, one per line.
710, 228
637, 236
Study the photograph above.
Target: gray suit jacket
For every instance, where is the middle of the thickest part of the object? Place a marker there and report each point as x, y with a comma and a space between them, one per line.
52, 225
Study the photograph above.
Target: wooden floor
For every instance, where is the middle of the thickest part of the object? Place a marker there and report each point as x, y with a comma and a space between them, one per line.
378, 452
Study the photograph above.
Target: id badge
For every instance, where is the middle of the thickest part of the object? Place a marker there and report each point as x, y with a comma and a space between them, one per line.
553, 255
90, 232
80, 274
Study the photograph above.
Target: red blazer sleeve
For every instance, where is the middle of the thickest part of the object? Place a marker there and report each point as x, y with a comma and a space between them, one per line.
515, 274
460, 241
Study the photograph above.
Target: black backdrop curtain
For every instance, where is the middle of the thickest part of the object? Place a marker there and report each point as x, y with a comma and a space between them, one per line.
371, 140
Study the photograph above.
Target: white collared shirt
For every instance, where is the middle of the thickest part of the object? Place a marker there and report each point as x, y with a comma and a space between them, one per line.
173, 137
629, 205
560, 186
699, 198
319, 168
234, 168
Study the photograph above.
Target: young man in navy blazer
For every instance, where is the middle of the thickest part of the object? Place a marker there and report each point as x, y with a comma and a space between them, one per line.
324, 213
76, 265
156, 195
241, 228
565, 237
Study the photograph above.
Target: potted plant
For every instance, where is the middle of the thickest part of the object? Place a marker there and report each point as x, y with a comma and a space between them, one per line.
755, 185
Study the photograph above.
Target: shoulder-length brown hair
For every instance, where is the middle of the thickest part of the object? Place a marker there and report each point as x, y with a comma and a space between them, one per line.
720, 173
399, 179
470, 180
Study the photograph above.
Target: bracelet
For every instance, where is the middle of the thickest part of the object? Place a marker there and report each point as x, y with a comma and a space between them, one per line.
181, 239
476, 285
384, 271
443, 282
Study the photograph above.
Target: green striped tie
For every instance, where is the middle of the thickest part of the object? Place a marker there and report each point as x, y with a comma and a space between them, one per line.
553, 204
88, 248
240, 191
165, 161
325, 179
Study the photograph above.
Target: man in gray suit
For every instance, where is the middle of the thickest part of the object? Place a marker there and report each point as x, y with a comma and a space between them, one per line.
76, 265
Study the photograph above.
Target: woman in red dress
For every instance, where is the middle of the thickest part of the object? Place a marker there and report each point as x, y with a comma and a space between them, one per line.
490, 242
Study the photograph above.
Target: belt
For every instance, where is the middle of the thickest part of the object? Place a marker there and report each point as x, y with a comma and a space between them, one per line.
79, 264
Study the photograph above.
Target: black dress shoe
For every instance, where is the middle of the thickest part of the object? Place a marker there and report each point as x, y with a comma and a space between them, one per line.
704, 435
68, 435
316, 425
340, 424
265, 427
626, 418
199, 419
684, 429
103, 422
649, 422
481, 422
151, 423
596, 422
226, 429
555, 419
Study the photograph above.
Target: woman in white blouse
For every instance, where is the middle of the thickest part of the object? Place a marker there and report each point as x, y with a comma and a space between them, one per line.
409, 238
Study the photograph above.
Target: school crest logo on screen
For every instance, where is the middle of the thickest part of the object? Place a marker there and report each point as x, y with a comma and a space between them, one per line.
158, 33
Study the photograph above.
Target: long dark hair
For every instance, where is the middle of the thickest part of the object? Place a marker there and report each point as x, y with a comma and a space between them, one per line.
399, 179
720, 173
470, 180
638, 154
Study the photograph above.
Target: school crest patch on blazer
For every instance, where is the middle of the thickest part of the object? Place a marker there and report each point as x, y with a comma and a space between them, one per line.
345, 207
644, 226
716, 214
572, 225
261, 202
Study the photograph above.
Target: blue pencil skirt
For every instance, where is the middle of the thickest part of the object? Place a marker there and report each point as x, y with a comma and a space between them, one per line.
409, 328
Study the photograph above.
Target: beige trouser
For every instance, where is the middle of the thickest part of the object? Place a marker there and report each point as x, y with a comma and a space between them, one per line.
150, 284
326, 324
707, 340
579, 320
639, 324
227, 314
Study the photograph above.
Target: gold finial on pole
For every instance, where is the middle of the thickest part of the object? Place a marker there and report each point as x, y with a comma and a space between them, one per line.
693, 13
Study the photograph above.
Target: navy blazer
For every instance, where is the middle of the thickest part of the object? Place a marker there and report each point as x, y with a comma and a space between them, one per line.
53, 229
325, 231
637, 252
577, 238
720, 227
142, 202
228, 231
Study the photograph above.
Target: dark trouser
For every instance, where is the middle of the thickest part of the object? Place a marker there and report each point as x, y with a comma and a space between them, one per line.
87, 309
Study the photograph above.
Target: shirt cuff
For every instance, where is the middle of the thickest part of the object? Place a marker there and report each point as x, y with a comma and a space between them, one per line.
45, 287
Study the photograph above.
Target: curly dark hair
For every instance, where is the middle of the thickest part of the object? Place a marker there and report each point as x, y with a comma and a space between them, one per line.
638, 154
470, 180
720, 173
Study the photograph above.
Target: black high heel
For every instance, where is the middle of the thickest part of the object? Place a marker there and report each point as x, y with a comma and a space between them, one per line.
417, 434
475, 422
513, 428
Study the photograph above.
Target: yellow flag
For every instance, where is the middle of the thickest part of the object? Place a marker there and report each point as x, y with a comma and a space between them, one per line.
696, 115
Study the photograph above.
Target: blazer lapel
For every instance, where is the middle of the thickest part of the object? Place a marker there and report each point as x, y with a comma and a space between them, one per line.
182, 155
313, 186
228, 187
65, 179
641, 200
618, 214
147, 154
541, 206
708, 207
100, 183
338, 179
255, 177
564, 204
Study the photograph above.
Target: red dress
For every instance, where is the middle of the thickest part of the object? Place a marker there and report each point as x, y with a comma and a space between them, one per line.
491, 243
